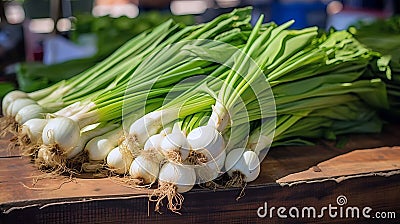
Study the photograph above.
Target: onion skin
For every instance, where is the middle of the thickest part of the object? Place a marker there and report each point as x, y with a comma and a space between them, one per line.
219, 118
46, 159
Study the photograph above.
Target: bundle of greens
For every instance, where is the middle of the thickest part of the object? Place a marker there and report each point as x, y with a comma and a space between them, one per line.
183, 105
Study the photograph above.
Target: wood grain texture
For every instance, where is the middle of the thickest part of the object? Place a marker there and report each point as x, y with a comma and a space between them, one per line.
105, 200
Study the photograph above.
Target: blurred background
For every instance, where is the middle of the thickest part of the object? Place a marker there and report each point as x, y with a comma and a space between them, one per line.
43, 41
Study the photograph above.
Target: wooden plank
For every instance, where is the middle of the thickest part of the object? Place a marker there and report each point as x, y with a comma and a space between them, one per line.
202, 206
17, 176
355, 163
282, 161
5, 151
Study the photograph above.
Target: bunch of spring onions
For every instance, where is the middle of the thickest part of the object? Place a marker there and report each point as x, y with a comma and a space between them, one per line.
225, 124
182, 106
57, 122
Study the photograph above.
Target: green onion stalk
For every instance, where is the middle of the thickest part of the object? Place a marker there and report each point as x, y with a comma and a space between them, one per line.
351, 117
166, 68
78, 91
172, 133
280, 45
183, 105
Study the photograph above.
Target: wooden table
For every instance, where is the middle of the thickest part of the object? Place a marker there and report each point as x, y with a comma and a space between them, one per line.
365, 171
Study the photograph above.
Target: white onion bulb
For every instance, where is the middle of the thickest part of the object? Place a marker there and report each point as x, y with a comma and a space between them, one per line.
166, 131
144, 168
206, 140
17, 105
153, 146
61, 131
33, 129
210, 170
247, 163
149, 125
87, 135
59, 136
183, 177
117, 162
29, 112
11, 97
174, 143
146, 126
99, 147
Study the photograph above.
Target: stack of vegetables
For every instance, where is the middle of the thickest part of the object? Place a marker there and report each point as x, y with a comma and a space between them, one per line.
184, 105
